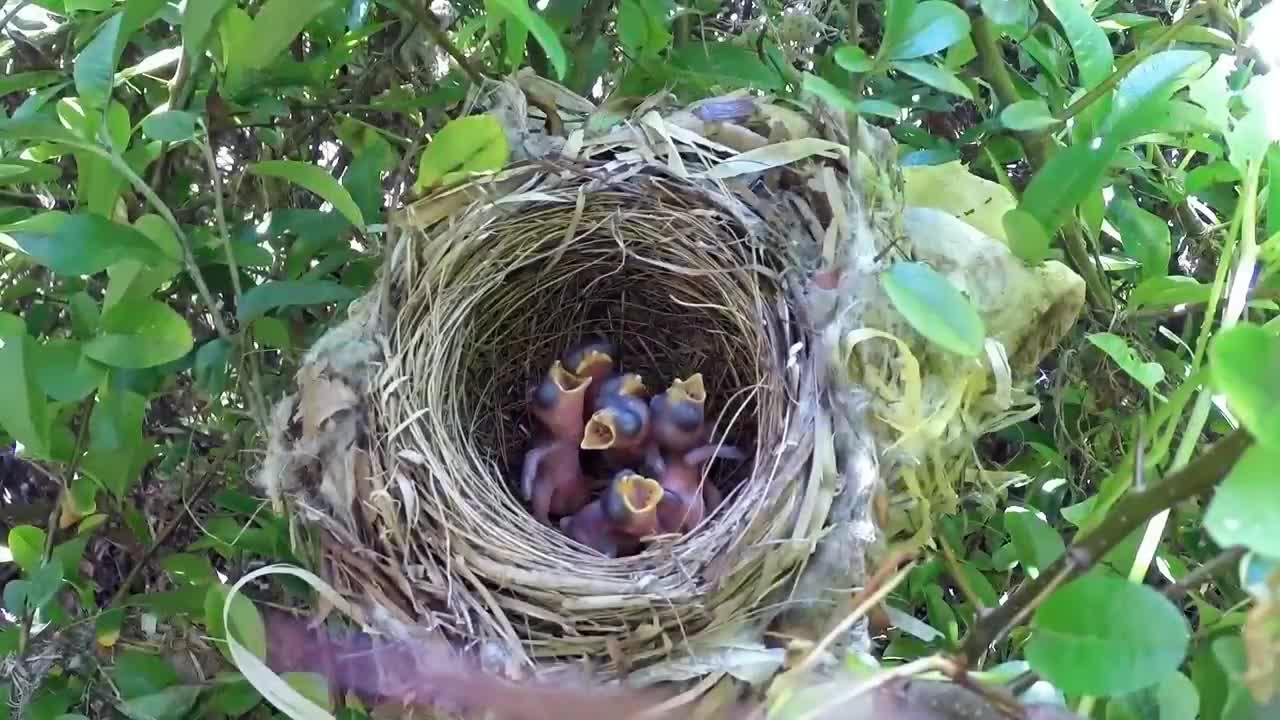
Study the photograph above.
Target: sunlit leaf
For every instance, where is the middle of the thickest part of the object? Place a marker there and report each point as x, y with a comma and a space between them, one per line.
727, 65
1089, 42
245, 622
315, 179
138, 674
289, 293
935, 308
1103, 635
15, 171
1037, 543
1028, 115
642, 27
546, 36
1147, 374
26, 544
852, 58
312, 686
476, 143
1244, 362
140, 333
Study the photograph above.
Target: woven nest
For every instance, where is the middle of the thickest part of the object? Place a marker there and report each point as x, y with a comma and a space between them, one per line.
686, 235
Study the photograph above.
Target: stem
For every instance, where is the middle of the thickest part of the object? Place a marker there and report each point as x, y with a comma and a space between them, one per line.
1205, 572
4, 21
1130, 61
1196, 478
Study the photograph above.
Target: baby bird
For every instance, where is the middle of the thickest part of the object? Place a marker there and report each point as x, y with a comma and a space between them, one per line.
625, 513
619, 424
552, 480
558, 402
593, 359
686, 498
678, 415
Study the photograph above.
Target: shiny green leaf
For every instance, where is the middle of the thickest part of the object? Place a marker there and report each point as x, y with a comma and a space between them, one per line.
1244, 363
1088, 41
1028, 115
934, 76
275, 26
26, 544
524, 14
170, 125
198, 22
852, 58
935, 308
1036, 542
65, 373
1145, 236
1147, 374
1103, 635
315, 179
81, 244
934, 26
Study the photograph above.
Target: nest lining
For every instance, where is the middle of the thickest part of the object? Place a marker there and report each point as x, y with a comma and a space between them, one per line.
478, 306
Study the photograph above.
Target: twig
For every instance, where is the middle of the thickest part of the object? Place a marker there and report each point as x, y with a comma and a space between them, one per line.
1127, 515
1221, 561
161, 537
55, 515
866, 600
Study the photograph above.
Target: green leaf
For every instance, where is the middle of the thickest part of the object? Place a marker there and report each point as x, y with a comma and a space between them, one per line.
934, 26
233, 696
198, 21
173, 703
14, 82
82, 244
1169, 291
1036, 542
935, 308
1155, 79
934, 76
275, 27
95, 66
1244, 362
897, 17
140, 333
1173, 699
138, 674
1246, 507
289, 293
14, 171
1063, 182
315, 179
1218, 172
312, 686
528, 18
170, 125
852, 58
65, 373
1088, 41
726, 65
830, 94
246, 622
476, 143
44, 585
1147, 374
1018, 13
189, 569
1105, 636
1028, 115
26, 544
642, 27
23, 408
1145, 235
211, 366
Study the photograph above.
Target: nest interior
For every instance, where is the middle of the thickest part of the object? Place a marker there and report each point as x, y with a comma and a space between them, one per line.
477, 303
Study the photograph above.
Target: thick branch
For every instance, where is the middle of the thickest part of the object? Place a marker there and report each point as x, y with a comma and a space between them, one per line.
1196, 478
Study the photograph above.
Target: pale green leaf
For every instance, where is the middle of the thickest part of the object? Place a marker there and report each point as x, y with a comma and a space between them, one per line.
476, 143
172, 703
528, 18
934, 26
81, 244
1089, 42
934, 76
23, 407
95, 66
315, 179
852, 58
1246, 508
1103, 635
275, 26
170, 125
140, 333
289, 293
935, 308
1147, 374
1244, 363
1028, 115
199, 18
65, 373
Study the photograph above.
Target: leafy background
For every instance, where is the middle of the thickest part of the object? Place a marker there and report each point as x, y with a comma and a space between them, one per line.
190, 193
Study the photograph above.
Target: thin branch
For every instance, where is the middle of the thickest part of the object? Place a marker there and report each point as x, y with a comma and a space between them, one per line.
1197, 478
1221, 561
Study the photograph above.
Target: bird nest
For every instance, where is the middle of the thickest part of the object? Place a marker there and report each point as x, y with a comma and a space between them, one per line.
734, 238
